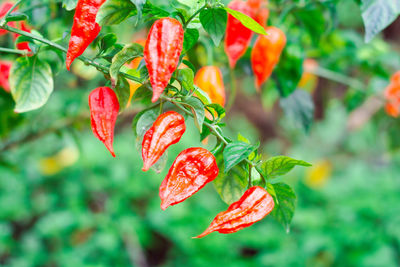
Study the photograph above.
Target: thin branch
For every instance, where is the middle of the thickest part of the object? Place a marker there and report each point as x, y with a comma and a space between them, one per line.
13, 51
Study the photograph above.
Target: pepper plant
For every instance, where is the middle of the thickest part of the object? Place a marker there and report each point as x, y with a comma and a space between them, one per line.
169, 92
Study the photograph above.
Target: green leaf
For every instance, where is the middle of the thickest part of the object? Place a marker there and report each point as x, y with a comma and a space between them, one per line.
127, 54
185, 78
299, 108
69, 4
247, 21
218, 108
143, 94
231, 186
190, 39
123, 92
143, 122
313, 21
214, 22
197, 108
115, 12
202, 95
16, 16
289, 70
235, 152
285, 204
377, 15
280, 165
31, 83
107, 42
139, 7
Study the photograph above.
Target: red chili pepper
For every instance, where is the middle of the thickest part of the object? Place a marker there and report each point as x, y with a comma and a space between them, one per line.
192, 170
5, 67
84, 29
104, 107
265, 54
4, 7
255, 204
209, 79
166, 130
237, 37
392, 96
161, 53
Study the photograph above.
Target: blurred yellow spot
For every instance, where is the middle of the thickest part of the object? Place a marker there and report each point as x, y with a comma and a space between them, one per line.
56, 163
309, 80
318, 175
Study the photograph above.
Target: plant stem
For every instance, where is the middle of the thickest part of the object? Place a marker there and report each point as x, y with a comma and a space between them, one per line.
337, 77
87, 61
193, 16
13, 51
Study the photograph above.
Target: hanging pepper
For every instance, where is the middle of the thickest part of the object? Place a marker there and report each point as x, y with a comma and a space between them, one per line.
392, 96
192, 170
161, 53
209, 79
84, 28
104, 107
5, 67
255, 204
261, 12
166, 130
265, 54
237, 37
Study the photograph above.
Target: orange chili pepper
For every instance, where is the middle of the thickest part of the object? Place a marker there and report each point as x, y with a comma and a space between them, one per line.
209, 79
392, 96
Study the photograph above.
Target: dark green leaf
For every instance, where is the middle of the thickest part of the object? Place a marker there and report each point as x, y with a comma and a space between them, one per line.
377, 15
197, 108
139, 7
190, 39
235, 152
218, 108
16, 16
144, 121
185, 78
214, 22
246, 21
143, 94
280, 165
232, 185
125, 55
31, 83
107, 42
289, 70
115, 11
123, 92
313, 21
285, 203
299, 107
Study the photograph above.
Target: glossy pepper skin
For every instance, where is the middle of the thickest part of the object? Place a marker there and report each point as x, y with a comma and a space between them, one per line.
165, 131
392, 96
161, 53
192, 170
210, 80
255, 204
5, 67
237, 37
84, 28
266, 53
104, 108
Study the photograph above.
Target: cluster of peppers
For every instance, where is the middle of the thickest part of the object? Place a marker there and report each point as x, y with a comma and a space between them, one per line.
194, 167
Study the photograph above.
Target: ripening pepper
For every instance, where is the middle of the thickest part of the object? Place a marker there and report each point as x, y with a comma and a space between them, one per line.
104, 108
308, 79
165, 131
84, 28
266, 53
210, 80
5, 67
237, 37
261, 12
134, 64
161, 53
392, 96
255, 204
192, 170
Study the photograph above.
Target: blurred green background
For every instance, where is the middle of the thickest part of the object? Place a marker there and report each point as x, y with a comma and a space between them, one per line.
64, 201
